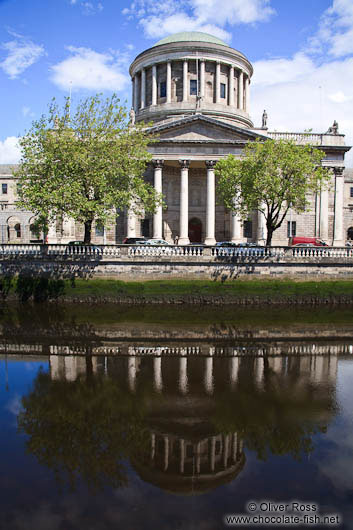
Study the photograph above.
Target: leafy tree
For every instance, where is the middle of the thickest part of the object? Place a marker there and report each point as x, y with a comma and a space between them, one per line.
271, 178
86, 165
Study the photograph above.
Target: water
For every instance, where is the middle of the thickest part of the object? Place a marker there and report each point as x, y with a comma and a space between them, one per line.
173, 419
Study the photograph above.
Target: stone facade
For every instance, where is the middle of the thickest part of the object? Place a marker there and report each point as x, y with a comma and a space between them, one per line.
196, 91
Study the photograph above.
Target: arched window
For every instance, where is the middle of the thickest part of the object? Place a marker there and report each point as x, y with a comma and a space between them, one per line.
350, 234
17, 229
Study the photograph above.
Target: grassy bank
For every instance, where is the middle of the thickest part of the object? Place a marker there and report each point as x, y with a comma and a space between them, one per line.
264, 290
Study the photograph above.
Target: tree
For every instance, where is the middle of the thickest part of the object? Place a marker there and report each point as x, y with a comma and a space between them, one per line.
85, 166
271, 178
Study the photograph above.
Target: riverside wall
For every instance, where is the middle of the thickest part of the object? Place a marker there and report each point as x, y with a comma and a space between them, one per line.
146, 263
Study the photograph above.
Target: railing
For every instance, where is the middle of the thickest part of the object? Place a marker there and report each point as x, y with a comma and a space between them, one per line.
214, 253
298, 138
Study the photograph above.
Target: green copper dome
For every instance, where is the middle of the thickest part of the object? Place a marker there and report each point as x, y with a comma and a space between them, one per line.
193, 36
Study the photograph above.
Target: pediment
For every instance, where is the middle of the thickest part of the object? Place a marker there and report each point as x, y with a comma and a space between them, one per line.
199, 128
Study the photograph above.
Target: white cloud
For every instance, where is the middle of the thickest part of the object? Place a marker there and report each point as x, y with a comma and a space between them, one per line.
26, 111
299, 94
335, 32
21, 53
90, 70
159, 18
88, 7
9, 151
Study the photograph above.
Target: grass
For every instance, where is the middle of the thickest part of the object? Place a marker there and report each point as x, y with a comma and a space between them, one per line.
259, 288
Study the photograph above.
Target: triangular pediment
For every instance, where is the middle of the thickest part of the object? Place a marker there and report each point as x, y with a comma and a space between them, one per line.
201, 128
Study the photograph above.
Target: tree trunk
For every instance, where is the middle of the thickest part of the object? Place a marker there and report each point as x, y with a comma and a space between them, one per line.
269, 236
88, 232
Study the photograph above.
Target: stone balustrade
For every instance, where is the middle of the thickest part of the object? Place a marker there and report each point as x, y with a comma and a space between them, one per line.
211, 253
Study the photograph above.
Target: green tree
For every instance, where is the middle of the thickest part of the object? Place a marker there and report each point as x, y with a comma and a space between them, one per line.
271, 177
86, 166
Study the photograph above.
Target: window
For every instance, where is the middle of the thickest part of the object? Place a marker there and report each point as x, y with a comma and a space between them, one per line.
17, 228
163, 89
351, 192
291, 228
223, 91
4, 188
193, 87
145, 227
99, 230
247, 229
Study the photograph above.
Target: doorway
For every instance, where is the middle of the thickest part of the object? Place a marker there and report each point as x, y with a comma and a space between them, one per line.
195, 230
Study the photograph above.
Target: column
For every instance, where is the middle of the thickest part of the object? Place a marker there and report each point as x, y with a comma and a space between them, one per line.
213, 453
324, 215
261, 228
182, 455
185, 81
183, 374
153, 445
198, 457
218, 80
169, 82
157, 374
154, 84
259, 367
225, 450
231, 87
247, 94
158, 216
240, 90
132, 373
236, 235
143, 88
166, 453
133, 93
202, 79
210, 203
131, 222
184, 203
339, 237
135, 101
234, 368
235, 447
209, 374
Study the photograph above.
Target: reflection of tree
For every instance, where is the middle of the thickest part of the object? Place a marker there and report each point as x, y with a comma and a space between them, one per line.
278, 418
82, 429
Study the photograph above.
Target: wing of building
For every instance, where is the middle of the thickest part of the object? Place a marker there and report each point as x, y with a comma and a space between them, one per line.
195, 89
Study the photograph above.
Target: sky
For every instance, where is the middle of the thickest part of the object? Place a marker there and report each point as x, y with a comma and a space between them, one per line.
302, 53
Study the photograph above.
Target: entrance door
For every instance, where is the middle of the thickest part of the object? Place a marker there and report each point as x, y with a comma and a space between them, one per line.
195, 230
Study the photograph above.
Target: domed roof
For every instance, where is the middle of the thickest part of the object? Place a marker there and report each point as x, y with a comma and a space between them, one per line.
194, 36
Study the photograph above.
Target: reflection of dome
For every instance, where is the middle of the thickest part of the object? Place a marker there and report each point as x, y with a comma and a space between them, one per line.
190, 36
188, 467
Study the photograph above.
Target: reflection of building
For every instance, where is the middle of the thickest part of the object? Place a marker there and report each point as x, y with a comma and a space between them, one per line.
196, 91
189, 466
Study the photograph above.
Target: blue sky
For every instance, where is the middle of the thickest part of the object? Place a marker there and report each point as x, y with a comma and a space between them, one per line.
302, 53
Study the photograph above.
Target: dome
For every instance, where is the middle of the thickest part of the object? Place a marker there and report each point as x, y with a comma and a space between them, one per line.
193, 36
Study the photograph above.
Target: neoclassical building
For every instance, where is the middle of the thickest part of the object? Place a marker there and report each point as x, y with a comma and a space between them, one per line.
195, 90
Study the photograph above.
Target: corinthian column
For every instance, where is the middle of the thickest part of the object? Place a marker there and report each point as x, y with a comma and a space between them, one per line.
231, 87
154, 85
210, 203
324, 215
185, 80
202, 78
339, 238
143, 88
241, 90
157, 216
169, 82
218, 80
184, 203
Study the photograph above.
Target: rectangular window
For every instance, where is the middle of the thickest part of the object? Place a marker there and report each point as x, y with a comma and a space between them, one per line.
145, 227
291, 228
193, 87
223, 91
351, 192
247, 229
163, 89
4, 188
99, 230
